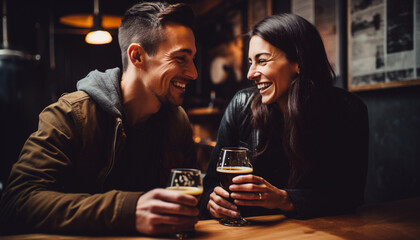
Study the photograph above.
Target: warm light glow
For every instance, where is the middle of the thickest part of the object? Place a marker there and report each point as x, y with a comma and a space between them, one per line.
86, 21
98, 37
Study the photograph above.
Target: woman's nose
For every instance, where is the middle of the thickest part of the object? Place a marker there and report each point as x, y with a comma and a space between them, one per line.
252, 73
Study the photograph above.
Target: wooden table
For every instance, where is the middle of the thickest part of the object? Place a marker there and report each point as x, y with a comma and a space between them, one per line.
397, 220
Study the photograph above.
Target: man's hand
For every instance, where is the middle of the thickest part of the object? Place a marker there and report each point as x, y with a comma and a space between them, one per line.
161, 211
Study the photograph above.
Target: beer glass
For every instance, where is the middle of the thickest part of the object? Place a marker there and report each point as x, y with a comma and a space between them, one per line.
187, 181
233, 161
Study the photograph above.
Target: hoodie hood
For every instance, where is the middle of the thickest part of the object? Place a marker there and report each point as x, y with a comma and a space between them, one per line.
104, 88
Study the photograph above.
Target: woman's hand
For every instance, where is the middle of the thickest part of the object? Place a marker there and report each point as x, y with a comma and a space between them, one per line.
251, 190
219, 206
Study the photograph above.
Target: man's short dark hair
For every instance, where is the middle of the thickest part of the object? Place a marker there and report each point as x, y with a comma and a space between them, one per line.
143, 23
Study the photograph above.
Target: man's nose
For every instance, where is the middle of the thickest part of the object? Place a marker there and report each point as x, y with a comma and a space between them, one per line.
191, 72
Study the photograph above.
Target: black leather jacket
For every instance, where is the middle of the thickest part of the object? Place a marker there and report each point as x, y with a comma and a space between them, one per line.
337, 152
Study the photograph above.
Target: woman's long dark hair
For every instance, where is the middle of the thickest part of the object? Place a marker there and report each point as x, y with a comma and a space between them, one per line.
302, 44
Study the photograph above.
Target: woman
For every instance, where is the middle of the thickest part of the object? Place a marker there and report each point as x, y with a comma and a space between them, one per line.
309, 139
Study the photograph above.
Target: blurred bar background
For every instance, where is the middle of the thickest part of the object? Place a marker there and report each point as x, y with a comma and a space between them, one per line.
42, 57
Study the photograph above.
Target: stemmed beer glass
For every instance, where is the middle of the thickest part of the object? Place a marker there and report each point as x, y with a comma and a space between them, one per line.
233, 161
187, 181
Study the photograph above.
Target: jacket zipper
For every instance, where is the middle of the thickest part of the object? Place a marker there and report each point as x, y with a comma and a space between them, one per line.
113, 151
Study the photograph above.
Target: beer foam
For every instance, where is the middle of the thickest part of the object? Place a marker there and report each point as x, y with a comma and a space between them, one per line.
235, 169
187, 190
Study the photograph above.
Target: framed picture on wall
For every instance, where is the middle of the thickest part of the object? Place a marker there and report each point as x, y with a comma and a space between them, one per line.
382, 50
257, 11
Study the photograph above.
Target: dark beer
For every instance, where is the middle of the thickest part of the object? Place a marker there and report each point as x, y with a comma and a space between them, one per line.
233, 161
226, 174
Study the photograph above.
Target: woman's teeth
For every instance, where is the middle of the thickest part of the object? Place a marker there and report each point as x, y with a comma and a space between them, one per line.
263, 85
179, 84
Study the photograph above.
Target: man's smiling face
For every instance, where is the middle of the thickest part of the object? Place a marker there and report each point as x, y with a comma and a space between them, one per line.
172, 66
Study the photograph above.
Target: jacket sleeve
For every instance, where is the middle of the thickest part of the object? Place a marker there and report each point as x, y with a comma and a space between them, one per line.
35, 199
340, 181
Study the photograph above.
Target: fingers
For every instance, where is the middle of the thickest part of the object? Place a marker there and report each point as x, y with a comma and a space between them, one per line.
152, 223
248, 187
249, 178
220, 212
219, 196
161, 207
250, 183
219, 207
168, 202
250, 190
270, 198
175, 197
249, 202
249, 198
257, 196
163, 211
221, 192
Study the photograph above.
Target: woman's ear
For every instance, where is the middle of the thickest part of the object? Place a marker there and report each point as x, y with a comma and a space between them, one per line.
136, 55
297, 68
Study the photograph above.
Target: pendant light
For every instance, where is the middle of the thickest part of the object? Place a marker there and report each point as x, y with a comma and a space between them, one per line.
97, 34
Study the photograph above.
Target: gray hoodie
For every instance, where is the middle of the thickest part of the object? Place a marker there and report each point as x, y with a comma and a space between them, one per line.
104, 88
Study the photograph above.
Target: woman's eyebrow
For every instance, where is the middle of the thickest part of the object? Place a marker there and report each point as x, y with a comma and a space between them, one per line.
259, 55
263, 53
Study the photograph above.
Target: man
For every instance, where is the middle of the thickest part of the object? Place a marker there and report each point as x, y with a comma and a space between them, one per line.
101, 155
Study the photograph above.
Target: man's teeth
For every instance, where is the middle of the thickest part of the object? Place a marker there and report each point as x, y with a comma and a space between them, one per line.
263, 85
179, 84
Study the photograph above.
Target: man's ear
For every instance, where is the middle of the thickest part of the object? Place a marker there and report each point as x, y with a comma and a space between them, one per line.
136, 54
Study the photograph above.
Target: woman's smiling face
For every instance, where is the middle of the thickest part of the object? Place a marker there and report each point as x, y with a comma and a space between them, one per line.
271, 70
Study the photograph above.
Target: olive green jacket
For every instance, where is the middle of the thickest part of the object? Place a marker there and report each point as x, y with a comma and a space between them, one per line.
57, 185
